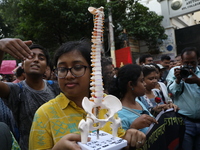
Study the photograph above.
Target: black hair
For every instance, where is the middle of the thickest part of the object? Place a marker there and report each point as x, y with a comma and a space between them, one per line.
82, 46
105, 61
107, 74
45, 51
147, 69
155, 65
50, 65
143, 58
129, 72
19, 71
177, 55
116, 68
165, 57
188, 50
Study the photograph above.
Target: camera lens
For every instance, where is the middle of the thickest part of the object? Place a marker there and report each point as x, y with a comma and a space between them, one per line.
184, 73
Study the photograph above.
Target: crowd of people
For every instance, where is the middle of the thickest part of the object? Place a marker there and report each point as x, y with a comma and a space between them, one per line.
43, 106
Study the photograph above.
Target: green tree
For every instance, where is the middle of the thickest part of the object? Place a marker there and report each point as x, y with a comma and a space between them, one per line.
3, 28
139, 22
9, 12
9, 18
53, 22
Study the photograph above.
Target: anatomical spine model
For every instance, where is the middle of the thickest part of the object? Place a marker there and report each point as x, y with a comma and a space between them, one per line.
97, 100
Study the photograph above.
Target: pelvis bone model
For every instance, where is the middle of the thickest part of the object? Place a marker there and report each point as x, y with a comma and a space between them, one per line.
97, 100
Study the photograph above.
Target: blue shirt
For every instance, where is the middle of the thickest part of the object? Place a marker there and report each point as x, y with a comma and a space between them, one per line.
127, 117
186, 96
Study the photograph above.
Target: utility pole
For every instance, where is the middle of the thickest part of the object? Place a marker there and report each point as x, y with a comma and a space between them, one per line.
111, 34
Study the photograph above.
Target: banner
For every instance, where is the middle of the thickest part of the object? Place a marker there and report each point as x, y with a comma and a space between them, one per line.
167, 134
123, 56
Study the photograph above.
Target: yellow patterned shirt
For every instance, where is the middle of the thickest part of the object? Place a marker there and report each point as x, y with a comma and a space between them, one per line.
55, 119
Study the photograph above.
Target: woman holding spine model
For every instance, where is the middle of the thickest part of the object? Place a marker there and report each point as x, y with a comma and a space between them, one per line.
55, 124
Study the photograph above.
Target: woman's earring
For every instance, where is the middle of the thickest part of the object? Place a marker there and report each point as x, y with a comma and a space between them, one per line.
132, 88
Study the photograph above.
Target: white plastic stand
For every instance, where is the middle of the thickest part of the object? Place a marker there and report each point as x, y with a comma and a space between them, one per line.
105, 142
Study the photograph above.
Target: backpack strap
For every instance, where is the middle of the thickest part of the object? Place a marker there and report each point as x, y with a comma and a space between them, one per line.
53, 85
131, 110
162, 96
161, 93
21, 90
19, 105
157, 93
139, 98
182, 89
50, 82
20, 85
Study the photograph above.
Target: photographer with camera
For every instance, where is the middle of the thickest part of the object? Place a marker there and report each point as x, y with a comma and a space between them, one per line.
184, 83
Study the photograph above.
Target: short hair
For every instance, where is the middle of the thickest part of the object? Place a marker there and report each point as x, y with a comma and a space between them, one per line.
116, 68
147, 69
177, 55
82, 46
106, 73
19, 71
188, 50
143, 58
105, 61
155, 65
165, 57
45, 51
50, 65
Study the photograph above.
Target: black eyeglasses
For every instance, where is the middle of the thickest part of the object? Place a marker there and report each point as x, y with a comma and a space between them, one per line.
76, 71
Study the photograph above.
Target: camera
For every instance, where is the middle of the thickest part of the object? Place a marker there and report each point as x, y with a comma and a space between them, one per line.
185, 71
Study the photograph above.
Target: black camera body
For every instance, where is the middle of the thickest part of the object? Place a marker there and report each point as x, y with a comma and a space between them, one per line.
185, 71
